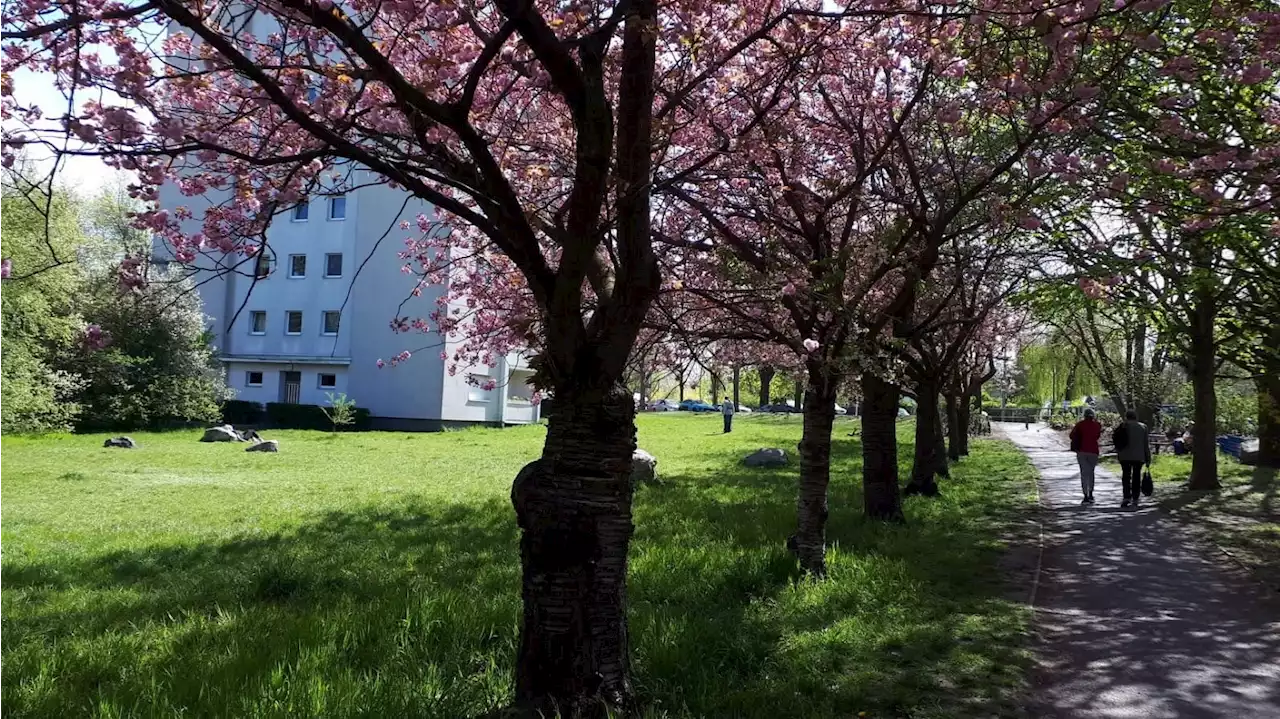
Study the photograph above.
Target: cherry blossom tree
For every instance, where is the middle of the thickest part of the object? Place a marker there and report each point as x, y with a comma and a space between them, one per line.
531, 128
815, 229
1187, 195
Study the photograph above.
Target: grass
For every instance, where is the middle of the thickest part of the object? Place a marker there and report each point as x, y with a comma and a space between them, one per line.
377, 575
1243, 517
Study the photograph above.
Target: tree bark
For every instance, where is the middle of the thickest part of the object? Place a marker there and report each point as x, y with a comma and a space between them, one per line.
573, 506
957, 425
737, 386
964, 417
809, 541
799, 396
925, 464
1269, 416
766, 373
1204, 458
880, 496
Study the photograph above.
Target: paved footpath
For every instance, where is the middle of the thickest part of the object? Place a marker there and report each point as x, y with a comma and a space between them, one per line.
1131, 621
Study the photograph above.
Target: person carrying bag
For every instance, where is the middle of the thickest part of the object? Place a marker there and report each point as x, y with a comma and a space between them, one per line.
1133, 450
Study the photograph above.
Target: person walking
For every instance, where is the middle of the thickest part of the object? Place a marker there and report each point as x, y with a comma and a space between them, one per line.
1084, 442
1133, 449
726, 409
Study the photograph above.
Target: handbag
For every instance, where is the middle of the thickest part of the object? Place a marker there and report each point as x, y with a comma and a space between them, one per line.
1148, 486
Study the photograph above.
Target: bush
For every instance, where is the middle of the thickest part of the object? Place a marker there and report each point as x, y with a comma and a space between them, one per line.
309, 416
239, 411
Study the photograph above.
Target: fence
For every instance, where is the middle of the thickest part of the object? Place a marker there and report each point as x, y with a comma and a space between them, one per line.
1014, 414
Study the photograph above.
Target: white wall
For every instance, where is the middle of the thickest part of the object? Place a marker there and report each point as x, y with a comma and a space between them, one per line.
411, 390
309, 391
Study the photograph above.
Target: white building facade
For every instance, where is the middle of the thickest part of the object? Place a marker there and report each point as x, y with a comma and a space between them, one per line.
313, 317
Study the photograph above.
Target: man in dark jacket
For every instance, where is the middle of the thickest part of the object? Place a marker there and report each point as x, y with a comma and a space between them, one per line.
1133, 449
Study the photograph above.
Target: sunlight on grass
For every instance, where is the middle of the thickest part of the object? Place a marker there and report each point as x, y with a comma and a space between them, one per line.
377, 575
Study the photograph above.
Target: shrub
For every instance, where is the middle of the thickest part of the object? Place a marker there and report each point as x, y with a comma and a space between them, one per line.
239, 411
341, 410
309, 416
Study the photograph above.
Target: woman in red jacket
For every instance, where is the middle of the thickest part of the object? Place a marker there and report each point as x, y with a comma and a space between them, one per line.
1084, 442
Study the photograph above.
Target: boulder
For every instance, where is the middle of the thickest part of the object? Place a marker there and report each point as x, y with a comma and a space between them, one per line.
222, 433
121, 442
766, 457
270, 445
644, 468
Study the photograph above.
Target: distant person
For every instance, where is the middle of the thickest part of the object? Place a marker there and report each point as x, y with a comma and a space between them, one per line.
726, 409
1183, 444
1084, 442
1133, 449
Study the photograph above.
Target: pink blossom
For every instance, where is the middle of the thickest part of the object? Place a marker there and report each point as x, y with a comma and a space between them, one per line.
789, 290
95, 338
1029, 222
380, 364
6, 268
811, 345
1255, 73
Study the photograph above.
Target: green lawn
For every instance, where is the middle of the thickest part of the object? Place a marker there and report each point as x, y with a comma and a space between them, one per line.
377, 575
1243, 517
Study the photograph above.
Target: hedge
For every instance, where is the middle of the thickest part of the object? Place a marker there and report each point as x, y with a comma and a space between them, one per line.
285, 416
309, 416
239, 411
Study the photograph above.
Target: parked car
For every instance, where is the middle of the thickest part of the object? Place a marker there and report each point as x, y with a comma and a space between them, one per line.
697, 405
662, 405
779, 408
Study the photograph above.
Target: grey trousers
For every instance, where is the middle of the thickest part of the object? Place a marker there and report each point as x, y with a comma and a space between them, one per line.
1088, 463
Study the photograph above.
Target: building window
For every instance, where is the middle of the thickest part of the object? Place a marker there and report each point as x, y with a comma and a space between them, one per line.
293, 322
476, 391
262, 267
338, 207
328, 381
257, 322
302, 211
297, 265
333, 265
331, 320
252, 379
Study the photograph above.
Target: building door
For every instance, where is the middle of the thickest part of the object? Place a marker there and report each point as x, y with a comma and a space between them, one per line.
290, 387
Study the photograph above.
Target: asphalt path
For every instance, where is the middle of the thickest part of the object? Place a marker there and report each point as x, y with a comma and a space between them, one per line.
1132, 619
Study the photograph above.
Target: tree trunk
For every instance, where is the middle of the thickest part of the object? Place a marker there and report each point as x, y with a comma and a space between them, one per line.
681, 388
809, 541
965, 418
737, 386
573, 506
1069, 387
715, 387
880, 496
799, 396
924, 467
957, 425
1204, 458
1269, 415
766, 380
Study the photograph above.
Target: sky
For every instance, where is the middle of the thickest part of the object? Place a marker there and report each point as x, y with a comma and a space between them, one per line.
85, 175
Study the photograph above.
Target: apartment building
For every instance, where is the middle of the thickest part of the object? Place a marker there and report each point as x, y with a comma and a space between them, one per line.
312, 315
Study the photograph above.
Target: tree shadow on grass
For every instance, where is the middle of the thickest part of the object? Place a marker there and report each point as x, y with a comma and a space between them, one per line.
413, 611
